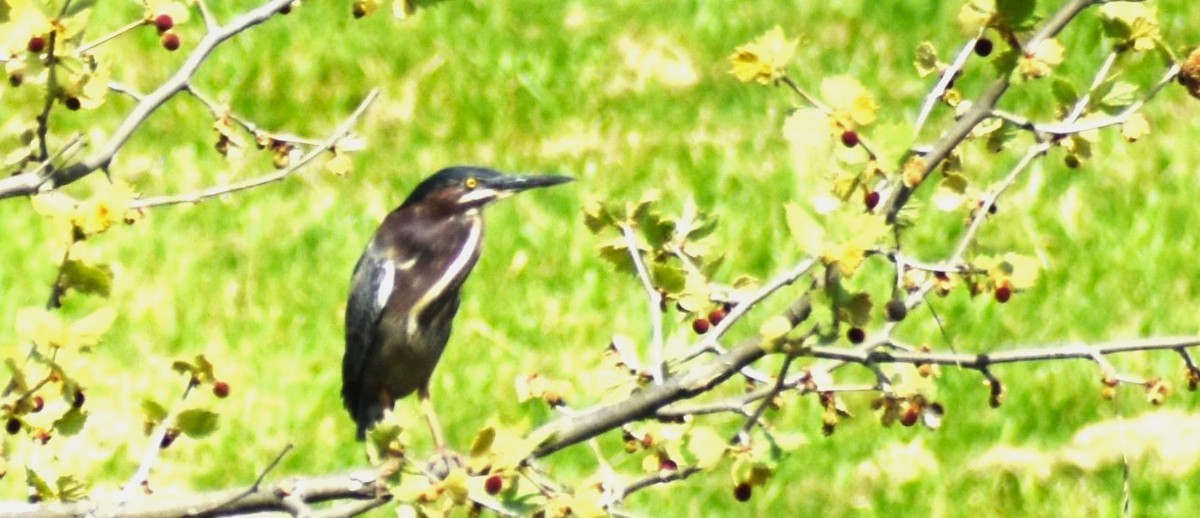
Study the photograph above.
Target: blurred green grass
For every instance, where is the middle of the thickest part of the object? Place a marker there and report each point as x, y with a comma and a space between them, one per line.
257, 281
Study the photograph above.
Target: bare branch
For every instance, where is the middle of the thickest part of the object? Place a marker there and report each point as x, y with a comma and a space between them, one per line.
195, 197
657, 368
27, 183
982, 108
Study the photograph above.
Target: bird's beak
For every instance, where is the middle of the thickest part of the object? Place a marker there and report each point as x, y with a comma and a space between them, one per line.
508, 185
512, 184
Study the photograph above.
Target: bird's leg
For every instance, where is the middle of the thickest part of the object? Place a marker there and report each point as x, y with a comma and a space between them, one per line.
444, 460
439, 440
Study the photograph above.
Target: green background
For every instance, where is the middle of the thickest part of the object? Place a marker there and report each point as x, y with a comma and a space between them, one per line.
257, 281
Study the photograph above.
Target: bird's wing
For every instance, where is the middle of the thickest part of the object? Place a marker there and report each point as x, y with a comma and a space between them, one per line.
371, 285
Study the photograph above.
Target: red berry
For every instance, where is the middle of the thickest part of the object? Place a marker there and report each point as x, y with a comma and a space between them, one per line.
36, 44
168, 438
667, 465
742, 492
72, 103
856, 335
910, 415
163, 22
716, 316
493, 484
983, 47
896, 310
1003, 293
170, 41
38, 404
849, 138
701, 325
871, 199
221, 389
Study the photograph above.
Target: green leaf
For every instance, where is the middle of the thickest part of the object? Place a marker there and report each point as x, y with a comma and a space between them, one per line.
71, 422
1064, 91
707, 446
37, 484
1017, 13
155, 412
87, 278
668, 278
702, 227
596, 216
483, 441
618, 255
70, 489
807, 232
197, 423
657, 230
927, 59
1119, 94
17, 376
857, 310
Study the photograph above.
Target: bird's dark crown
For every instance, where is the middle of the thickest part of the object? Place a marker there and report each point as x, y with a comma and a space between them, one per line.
462, 188
462, 177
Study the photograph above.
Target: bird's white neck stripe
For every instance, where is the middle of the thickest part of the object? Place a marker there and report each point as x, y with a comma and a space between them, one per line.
452, 271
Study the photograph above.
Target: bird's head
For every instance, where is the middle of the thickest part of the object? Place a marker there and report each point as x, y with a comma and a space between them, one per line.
462, 188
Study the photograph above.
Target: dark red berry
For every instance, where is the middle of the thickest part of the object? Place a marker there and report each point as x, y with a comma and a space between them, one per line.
896, 310
72, 103
871, 199
38, 404
36, 44
849, 138
1003, 293
78, 398
170, 41
493, 484
221, 389
667, 465
13, 426
716, 316
856, 335
992, 208
742, 492
163, 22
168, 438
701, 325
983, 47
910, 415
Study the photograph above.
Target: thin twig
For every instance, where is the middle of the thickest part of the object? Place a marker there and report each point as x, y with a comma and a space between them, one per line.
154, 447
654, 305
203, 194
26, 184
944, 81
709, 342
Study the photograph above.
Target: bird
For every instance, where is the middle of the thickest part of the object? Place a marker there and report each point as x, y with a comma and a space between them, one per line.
405, 289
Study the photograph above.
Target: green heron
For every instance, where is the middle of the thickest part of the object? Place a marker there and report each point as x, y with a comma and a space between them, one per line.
405, 289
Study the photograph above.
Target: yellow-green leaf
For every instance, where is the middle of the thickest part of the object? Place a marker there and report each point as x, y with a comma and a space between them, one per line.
808, 233
707, 446
763, 60
196, 423
927, 61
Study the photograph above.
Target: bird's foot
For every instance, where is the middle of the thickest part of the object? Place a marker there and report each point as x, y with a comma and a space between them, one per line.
443, 462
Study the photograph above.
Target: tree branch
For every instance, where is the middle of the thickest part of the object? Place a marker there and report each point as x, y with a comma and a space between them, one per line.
36, 182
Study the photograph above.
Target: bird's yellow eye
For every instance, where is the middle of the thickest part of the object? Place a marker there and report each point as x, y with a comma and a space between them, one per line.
471, 182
